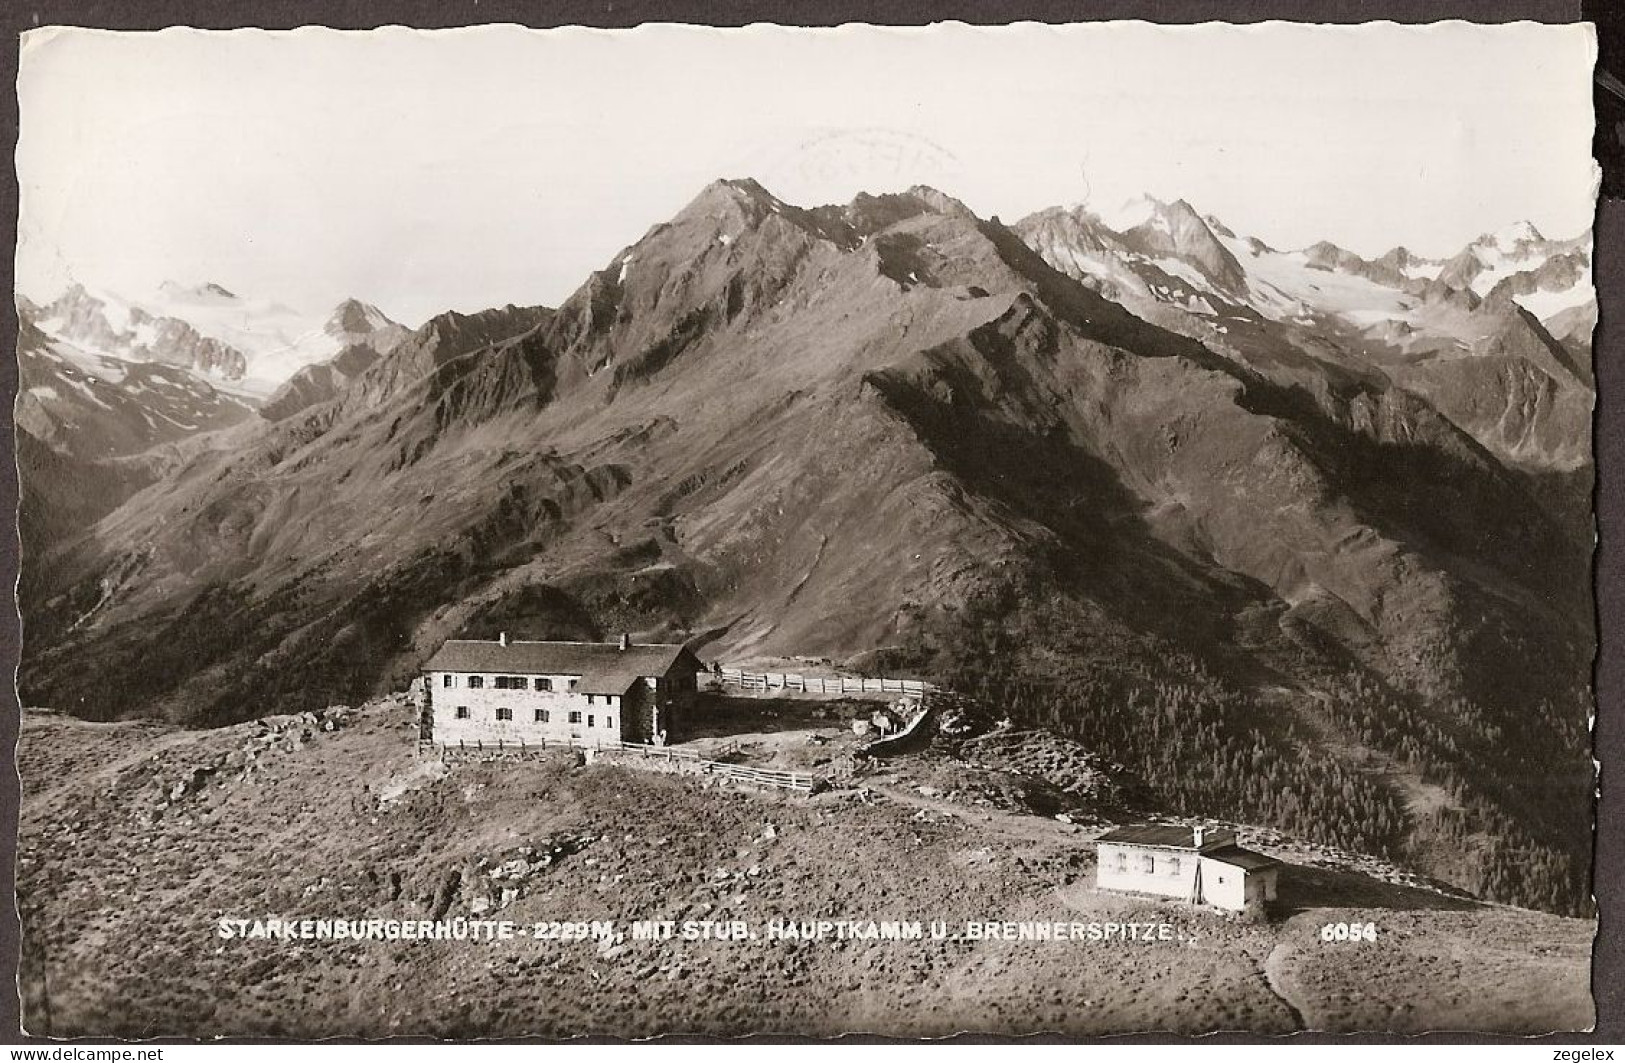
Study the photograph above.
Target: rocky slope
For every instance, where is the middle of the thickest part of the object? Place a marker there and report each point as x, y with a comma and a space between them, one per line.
894, 426
113, 394
94, 407
137, 838
93, 429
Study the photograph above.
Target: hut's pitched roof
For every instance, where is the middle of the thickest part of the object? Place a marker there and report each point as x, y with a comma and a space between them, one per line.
1153, 834
604, 667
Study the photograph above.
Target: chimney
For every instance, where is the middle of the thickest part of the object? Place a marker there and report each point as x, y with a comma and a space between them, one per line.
1196, 835
626, 641
502, 639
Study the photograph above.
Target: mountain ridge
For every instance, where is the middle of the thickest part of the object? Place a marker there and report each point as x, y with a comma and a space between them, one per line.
251, 345
869, 430
1292, 315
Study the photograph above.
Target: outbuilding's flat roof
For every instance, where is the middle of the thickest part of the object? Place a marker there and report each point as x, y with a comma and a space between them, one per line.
1246, 859
1220, 846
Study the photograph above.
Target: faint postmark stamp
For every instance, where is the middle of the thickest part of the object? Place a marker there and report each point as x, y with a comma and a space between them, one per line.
863, 155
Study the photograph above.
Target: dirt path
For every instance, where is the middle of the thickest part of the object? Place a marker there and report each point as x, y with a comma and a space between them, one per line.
1023, 825
1273, 978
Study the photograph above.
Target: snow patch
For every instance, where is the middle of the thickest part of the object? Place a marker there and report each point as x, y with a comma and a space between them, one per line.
1131, 214
89, 392
1285, 287
1548, 304
1367, 318
1176, 267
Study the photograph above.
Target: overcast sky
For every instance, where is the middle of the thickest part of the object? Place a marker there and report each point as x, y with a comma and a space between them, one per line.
471, 168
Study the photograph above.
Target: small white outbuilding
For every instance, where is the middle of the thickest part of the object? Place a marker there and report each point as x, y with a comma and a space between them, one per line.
1202, 866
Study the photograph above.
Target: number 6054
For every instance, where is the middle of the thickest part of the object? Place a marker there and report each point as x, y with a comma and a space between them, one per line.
1349, 932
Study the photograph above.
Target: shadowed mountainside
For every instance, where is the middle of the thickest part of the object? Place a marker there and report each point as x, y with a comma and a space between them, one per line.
890, 426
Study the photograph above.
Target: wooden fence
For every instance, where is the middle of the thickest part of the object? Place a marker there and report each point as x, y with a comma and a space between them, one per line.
803, 684
783, 780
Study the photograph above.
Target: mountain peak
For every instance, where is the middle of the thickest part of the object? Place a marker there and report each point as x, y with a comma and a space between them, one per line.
748, 186
77, 298
1158, 229
939, 201
1517, 234
734, 192
1523, 230
206, 290
732, 201
354, 316
1182, 208
1131, 213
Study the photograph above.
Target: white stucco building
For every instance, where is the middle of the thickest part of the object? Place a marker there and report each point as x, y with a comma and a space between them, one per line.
505, 692
1192, 864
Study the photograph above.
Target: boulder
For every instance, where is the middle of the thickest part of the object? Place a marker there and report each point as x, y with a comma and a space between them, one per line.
191, 784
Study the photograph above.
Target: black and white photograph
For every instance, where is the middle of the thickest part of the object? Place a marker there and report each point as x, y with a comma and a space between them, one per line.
1068, 530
